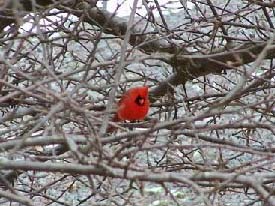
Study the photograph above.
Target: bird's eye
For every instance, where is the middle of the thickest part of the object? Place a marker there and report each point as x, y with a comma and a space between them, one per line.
140, 101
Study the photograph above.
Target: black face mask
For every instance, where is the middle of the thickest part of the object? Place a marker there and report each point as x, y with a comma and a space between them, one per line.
140, 101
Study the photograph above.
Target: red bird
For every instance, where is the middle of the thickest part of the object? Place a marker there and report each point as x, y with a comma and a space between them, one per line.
133, 105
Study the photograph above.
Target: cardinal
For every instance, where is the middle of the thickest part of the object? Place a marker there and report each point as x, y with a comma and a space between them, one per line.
133, 105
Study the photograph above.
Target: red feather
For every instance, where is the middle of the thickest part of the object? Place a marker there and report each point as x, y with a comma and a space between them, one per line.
133, 105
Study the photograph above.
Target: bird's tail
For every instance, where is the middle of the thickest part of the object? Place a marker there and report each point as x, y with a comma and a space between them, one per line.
116, 118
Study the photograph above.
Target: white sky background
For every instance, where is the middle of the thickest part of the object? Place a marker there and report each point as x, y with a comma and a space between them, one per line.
124, 10
126, 5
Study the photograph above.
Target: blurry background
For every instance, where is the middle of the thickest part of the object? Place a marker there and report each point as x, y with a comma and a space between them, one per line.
210, 132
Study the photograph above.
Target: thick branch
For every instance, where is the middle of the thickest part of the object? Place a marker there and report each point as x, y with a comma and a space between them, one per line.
190, 67
104, 170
